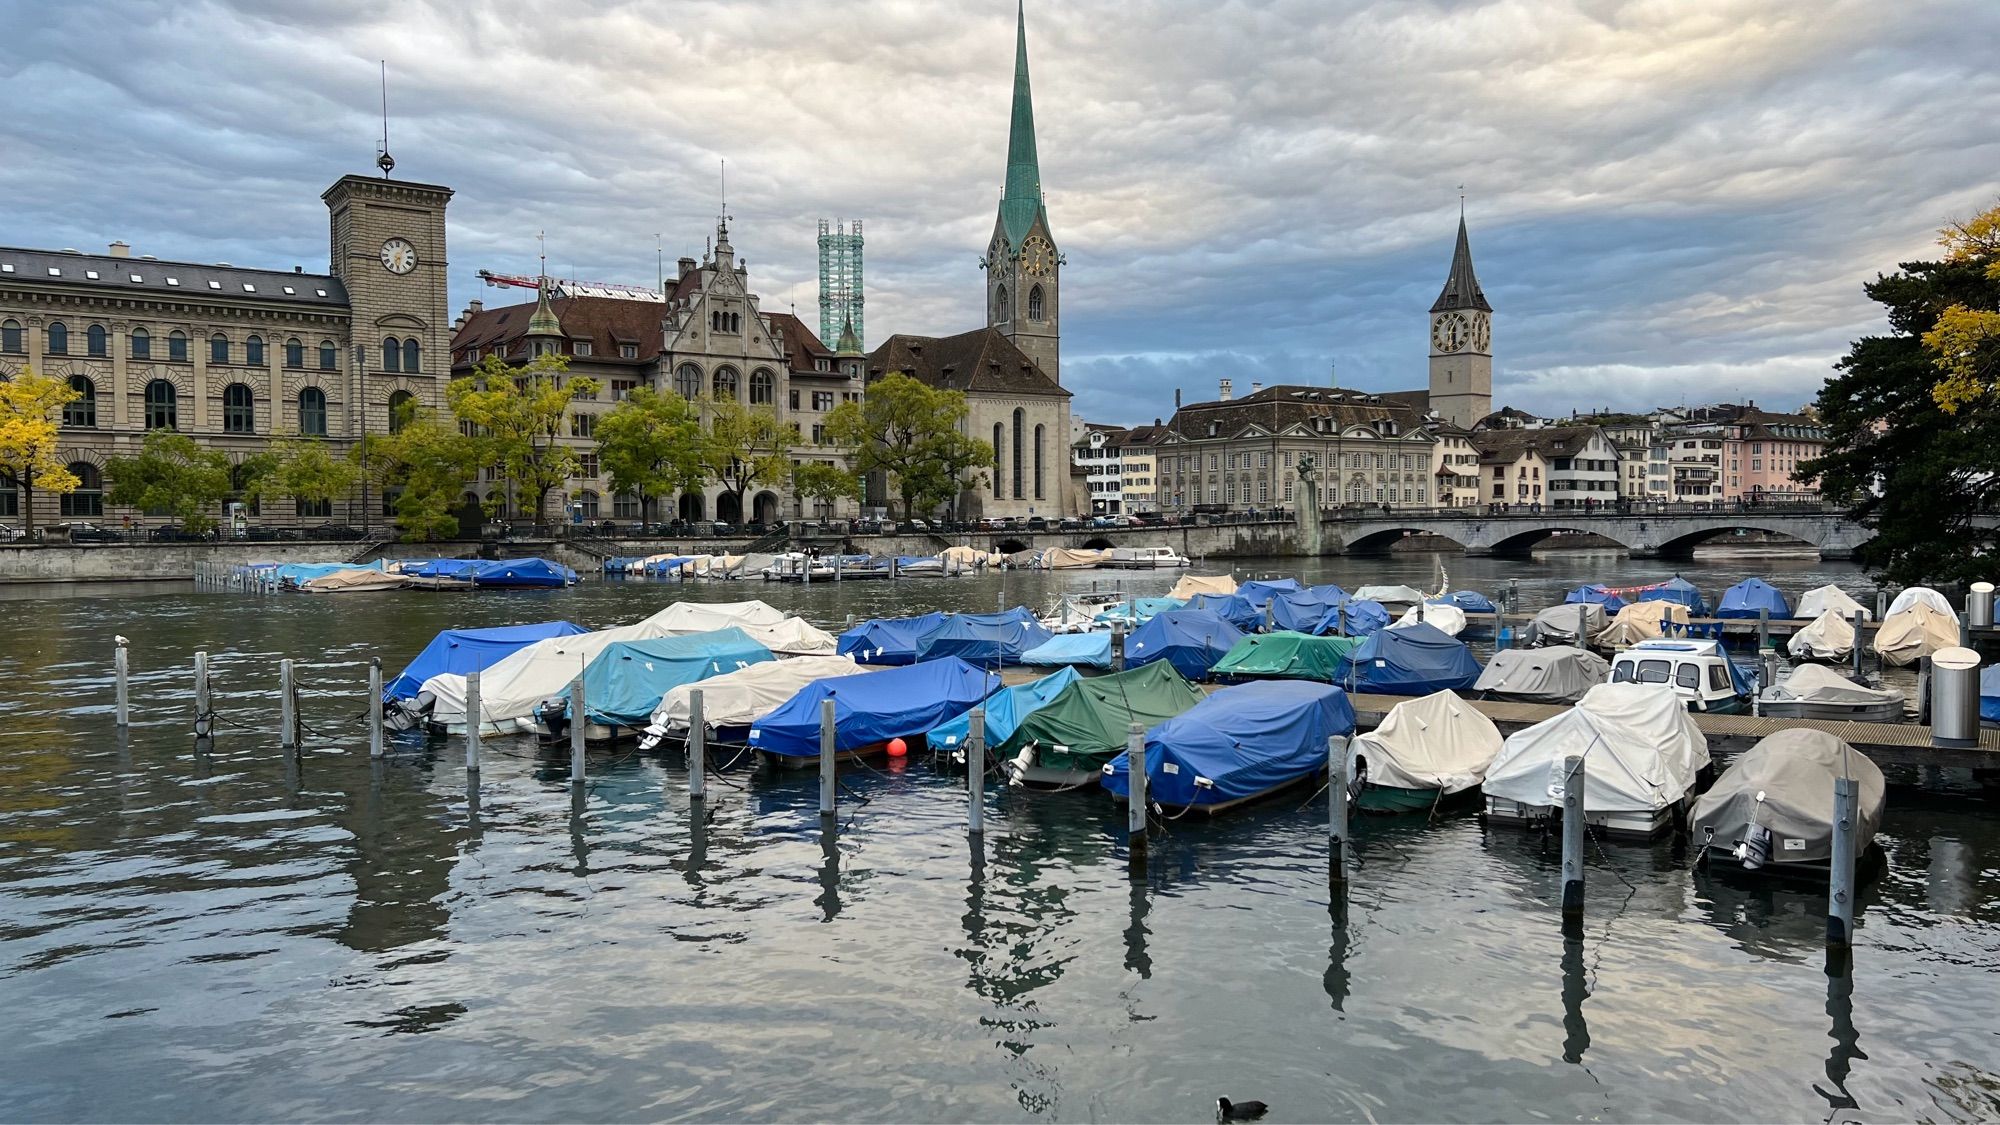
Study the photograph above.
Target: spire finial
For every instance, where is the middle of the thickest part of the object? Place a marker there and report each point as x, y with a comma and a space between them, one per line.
1021, 202
1461, 203
382, 159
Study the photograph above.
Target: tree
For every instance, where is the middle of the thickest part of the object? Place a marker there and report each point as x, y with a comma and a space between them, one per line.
299, 468
30, 408
1965, 340
427, 463
174, 474
911, 432
1915, 465
824, 483
744, 446
519, 412
650, 445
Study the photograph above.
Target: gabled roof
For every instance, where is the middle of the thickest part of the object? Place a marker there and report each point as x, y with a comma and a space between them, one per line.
606, 322
186, 280
1549, 442
1461, 285
1276, 408
983, 360
800, 343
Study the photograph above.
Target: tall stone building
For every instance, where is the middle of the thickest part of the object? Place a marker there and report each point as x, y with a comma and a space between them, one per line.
1461, 383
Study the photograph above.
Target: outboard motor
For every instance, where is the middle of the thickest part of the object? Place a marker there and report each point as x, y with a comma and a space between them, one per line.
1017, 766
409, 714
555, 718
1755, 849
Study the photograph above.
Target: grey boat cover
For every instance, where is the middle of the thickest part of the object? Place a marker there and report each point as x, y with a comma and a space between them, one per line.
1438, 741
1829, 637
1558, 622
1554, 674
1820, 599
1392, 596
1785, 784
1816, 683
1640, 747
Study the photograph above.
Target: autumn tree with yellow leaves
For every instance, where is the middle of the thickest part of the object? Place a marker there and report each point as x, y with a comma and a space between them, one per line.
1966, 339
30, 414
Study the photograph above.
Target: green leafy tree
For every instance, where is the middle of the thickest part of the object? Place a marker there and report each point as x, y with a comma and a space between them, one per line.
298, 468
650, 444
520, 412
426, 463
174, 474
825, 484
30, 405
910, 431
743, 447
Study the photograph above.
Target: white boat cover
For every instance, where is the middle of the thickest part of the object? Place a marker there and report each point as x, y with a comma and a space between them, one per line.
1920, 595
1823, 599
1063, 558
1552, 674
1558, 622
1390, 595
1448, 619
511, 688
1785, 784
1829, 637
1911, 634
1640, 621
739, 698
1640, 747
1816, 683
357, 581
1438, 741
794, 636
706, 617
1192, 584
751, 564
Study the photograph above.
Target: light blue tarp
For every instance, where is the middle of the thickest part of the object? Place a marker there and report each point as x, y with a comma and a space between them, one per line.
1140, 610
874, 707
1192, 640
889, 640
623, 685
1595, 595
1750, 595
1258, 592
1233, 608
1412, 660
1088, 650
1470, 601
1004, 710
294, 574
1301, 610
985, 639
1675, 589
1359, 616
460, 651
661, 567
1241, 741
1989, 694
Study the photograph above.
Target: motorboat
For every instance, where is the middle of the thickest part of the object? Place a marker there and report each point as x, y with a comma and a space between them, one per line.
1003, 712
1752, 598
1286, 655
1644, 621
1354, 617
1572, 623
731, 702
623, 685
1442, 616
1145, 558
1425, 750
1550, 674
985, 639
1416, 660
1302, 610
1395, 599
1237, 746
458, 651
1772, 811
1699, 673
1192, 640
1830, 599
1642, 756
1191, 584
1917, 630
1076, 650
1919, 595
870, 708
1066, 743
1815, 691
1830, 636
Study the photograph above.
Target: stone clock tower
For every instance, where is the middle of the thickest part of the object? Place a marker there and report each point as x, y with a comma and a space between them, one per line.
388, 249
1023, 266
1462, 343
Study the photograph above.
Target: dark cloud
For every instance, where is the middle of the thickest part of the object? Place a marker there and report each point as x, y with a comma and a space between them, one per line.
1669, 200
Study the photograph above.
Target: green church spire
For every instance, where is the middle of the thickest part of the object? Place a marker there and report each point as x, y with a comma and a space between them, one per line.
1022, 201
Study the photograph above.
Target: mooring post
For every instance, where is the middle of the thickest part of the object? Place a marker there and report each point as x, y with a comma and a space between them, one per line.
1336, 813
576, 762
288, 706
975, 773
1513, 595
1881, 604
374, 706
1770, 672
999, 601
1573, 828
1840, 889
203, 726
1858, 615
1270, 617
697, 745
121, 673
1135, 804
1340, 618
892, 568
473, 721
826, 741
1763, 629
1117, 646
1583, 625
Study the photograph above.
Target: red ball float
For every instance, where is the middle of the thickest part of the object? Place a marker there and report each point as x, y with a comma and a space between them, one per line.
898, 748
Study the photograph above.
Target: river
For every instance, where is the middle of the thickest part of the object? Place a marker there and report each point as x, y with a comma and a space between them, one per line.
237, 936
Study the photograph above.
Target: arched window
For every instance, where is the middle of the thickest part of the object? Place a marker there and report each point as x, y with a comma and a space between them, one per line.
239, 410
295, 353
401, 406
725, 384
312, 412
142, 344
687, 381
88, 498
177, 346
253, 351
81, 413
1035, 303
763, 387
587, 501
96, 341
413, 354
1000, 304
392, 354
999, 451
1020, 417
10, 337
161, 406
1038, 461
218, 348
58, 338
329, 357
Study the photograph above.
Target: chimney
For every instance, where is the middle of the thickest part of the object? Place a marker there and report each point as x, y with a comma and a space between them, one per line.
1177, 398
1223, 394
476, 306
687, 266
121, 249
298, 269
1255, 387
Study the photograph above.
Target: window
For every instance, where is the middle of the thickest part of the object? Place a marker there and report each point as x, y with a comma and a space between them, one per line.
177, 346
413, 355
1035, 303
1718, 678
622, 388
586, 502
82, 413
253, 351
314, 509
763, 387
687, 380
586, 465
582, 425
218, 348
10, 337
795, 398
392, 354
580, 347
312, 412
819, 433
329, 358
239, 413
822, 400
161, 405
725, 384
999, 444
1688, 676
1020, 421
295, 353
402, 404
96, 340
88, 498
626, 506
58, 338
141, 344
625, 351
1038, 457
10, 496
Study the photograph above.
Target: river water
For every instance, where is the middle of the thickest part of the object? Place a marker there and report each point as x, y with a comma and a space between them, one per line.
234, 936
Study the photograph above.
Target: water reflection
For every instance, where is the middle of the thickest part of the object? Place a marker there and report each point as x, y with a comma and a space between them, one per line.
829, 869
1575, 990
1137, 958
1846, 1047
1337, 979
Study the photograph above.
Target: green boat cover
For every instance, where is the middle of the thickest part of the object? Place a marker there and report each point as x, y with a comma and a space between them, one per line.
1286, 655
1086, 724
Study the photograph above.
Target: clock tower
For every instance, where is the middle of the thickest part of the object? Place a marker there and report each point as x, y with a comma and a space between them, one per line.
1461, 343
388, 250
1023, 267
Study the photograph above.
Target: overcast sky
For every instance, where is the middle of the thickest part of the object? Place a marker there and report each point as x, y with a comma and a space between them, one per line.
1669, 200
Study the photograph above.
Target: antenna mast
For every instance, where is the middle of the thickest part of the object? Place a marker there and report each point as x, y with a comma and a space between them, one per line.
382, 159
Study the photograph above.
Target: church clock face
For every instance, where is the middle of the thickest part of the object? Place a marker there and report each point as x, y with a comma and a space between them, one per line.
398, 256
1038, 258
1482, 334
1450, 332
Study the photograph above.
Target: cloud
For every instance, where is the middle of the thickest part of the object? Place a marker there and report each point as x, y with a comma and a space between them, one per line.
1669, 198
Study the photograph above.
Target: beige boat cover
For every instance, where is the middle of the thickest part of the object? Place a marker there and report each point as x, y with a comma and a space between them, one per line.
1823, 599
1063, 558
794, 636
1436, 742
960, 559
1920, 595
1914, 633
1640, 747
1640, 621
1551, 674
1438, 615
356, 581
1785, 784
706, 617
739, 698
1829, 637
1192, 584
1816, 683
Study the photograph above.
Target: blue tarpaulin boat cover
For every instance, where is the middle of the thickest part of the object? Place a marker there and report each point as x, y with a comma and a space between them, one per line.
459, 651
1300, 610
1595, 595
623, 685
1233, 608
1358, 616
874, 707
1260, 591
497, 574
1239, 742
1088, 650
1989, 694
1675, 589
1412, 660
1004, 710
889, 640
1138, 611
985, 639
1470, 601
1750, 595
1192, 640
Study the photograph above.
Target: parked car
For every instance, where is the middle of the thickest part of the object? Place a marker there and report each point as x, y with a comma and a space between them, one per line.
175, 533
80, 533
721, 528
270, 534
1071, 524
1038, 523
1149, 519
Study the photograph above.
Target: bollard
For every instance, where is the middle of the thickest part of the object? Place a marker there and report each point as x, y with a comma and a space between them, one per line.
975, 773
474, 719
1135, 804
1340, 618
999, 601
576, 763
697, 752
121, 674
374, 706
1117, 647
1583, 625
892, 568
1513, 595
1953, 695
1859, 614
1979, 605
204, 725
1336, 813
288, 706
1573, 827
1840, 887
1763, 630
1770, 672
1881, 604
1270, 618
826, 757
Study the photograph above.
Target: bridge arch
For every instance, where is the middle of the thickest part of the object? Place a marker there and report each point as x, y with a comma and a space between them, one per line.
1098, 543
1009, 546
1523, 541
1378, 540
1681, 546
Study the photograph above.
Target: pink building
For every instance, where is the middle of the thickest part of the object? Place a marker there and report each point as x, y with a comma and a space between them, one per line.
1761, 451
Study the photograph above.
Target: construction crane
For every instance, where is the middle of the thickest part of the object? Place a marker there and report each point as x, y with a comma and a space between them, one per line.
559, 287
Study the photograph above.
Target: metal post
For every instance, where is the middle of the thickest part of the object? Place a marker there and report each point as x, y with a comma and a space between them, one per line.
1513, 595
121, 673
999, 601
892, 568
1270, 617
1840, 889
1881, 604
576, 762
288, 706
1858, 615
374, 706
826, 757
1135, 804
1117, 646
1340, 618
1573, 826
203, 726
697, 748
1336, 813
975, 773
1583, 625
474, 720
1763, 629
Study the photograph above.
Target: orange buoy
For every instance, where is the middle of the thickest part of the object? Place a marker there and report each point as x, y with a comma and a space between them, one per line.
898, 748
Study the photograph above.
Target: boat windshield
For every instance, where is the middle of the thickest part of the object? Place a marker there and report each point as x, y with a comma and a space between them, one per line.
1688, 676
1718, 678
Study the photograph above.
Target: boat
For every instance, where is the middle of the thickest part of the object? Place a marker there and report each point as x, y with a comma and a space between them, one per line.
1700, 673
889, 640
1286, 655
1550, 674
1079, 650
1233, 608
1771, 812
1751, 598
793, 636
1145, 558
732, 701
1597, 596
988, 640
1301, 610
1814, 691
1416, 660
355, 580
1989, 695
623, 685
1677, 590
1068, 558
1444, 617
1642, 755
1468, 601
1240, 744
1395, 599
968, 560
706, 617
1005, 710
1830, 599
1192, 640
1354, 617
919, 566
488, 574
459, 651
1259, 591
1191, 584
1425, 750
870, 708
1572, 623
1830, 636
1135, 611
1066, 743
1914, 632
1643, 621
1920, 595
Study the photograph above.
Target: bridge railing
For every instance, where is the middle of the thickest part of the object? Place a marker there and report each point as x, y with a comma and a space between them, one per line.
1769, 509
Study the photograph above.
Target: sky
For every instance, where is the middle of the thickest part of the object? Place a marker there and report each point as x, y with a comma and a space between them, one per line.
1669, 200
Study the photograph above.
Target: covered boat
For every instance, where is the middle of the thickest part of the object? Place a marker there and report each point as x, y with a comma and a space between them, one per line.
292, 576
1192, 584
1135, 611
889, 640
1641, 754
1425, 750
871, 708
794, 636
523, 574
1068, 741
1920, 595
1550, 674
1353, 618
1677, 590
1830, 636
516, 684
1237, 745
986, 639
1643, 621
1006, 709
1445, 618
1192, 640
1989, 695
1417, 660
1771, 811
459, 651
1469, 601
1751, 597
1814, 691
1395, 599
1065, 558
1699, 672
1830, 599
1913, 633
706, 617
1595, 595
960, 560
1081, 650
355, 580
624, 684
1287, 655
732, 701
1259, 592
1302, 610
1233, 608
1572, 623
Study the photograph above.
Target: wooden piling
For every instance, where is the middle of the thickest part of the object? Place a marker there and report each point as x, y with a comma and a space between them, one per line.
1840, 887
1117, 646
1135, 804
1336, 813
474, 719
577, 765
826, 749
374, 707
697, 748
975, 773
1763, 629
1572, 840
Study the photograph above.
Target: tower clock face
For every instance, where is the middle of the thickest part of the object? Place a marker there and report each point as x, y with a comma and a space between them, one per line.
1038, 258
398, 256
1451, 332
1482, 334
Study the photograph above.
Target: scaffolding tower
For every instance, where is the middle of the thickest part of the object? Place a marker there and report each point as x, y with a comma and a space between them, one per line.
839, 279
